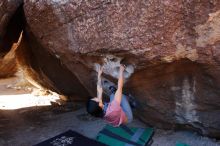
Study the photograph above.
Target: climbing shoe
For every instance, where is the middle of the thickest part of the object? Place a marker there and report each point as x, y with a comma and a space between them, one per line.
112, 89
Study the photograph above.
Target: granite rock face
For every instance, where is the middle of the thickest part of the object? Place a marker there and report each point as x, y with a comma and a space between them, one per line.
10, 27
10, 23
8, 65
171, 48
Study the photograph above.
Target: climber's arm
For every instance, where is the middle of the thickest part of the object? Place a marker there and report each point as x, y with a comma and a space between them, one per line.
118, 93
99, 85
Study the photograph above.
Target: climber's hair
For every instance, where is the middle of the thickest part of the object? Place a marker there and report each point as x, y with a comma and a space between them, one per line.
93, 108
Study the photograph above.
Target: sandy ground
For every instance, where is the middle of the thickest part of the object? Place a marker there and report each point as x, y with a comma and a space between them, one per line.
29, 126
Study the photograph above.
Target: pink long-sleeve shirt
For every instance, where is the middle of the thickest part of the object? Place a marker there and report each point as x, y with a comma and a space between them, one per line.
114, 114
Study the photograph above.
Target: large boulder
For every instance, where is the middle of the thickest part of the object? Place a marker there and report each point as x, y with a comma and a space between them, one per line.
10, 28
172, 49
8, 65
8, 9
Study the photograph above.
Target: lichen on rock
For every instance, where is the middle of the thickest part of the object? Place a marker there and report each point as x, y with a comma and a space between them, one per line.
209, 32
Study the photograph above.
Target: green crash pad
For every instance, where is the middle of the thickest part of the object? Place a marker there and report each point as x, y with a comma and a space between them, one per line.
181, 144
125, 136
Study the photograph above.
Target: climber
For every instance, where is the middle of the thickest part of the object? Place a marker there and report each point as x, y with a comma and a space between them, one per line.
118, 110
